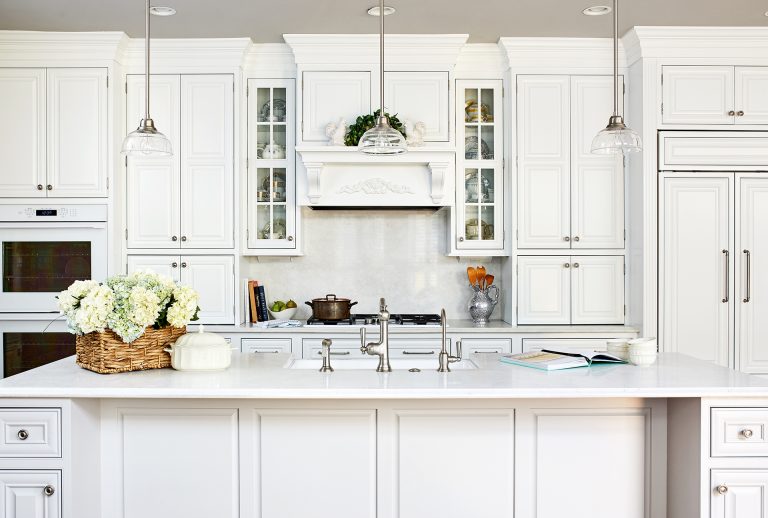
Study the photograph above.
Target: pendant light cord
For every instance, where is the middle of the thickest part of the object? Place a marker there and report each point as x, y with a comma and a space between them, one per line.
381, 58
615, 58
146, 64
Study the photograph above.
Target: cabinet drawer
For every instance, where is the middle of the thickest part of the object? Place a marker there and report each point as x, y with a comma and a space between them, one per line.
485, 345
567, 344
30, 493
739, 432
266, 345
30, 432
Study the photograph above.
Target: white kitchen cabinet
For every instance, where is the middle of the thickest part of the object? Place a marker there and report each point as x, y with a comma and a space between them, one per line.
739, 493
708, 94
695, 279
570, 290
329, 96
299, 475
271, 197
479, 212
185, 200
420, 96
30, 494
57, 145
211, 275
568, 198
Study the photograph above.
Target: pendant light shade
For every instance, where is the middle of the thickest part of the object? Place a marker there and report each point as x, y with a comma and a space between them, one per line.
616, 138
146, 140
382, 139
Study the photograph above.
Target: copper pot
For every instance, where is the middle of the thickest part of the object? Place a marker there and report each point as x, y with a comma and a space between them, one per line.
330, 307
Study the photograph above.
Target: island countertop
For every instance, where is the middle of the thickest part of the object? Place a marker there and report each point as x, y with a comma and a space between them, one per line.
265, 376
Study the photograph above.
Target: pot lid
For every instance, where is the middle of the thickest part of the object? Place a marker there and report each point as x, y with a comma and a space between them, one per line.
201, 339
331, 298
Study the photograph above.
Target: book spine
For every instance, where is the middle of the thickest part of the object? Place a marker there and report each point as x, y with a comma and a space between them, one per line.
252, 297
263, 315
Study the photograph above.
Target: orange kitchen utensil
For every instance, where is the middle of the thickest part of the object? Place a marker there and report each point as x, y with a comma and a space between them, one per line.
472, 274
481, 276
488, 280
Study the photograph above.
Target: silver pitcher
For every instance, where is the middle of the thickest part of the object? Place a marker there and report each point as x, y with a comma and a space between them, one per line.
482, 303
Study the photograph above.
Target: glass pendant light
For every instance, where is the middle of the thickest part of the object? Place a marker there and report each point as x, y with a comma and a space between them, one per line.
382, 139
616, 137
146, 140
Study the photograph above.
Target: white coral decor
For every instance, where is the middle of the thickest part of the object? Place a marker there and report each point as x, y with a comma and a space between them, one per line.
128, 304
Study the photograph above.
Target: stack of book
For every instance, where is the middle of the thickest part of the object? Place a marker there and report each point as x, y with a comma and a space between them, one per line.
257, 302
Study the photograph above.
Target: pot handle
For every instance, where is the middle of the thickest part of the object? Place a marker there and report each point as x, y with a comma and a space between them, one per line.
330, 296
168, 350
309, 304
352, 304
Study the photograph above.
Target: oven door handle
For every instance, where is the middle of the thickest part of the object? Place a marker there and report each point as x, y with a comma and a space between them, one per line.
56, 225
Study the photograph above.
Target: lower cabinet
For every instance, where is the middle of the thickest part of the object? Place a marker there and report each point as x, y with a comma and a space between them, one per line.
30, 494
570, 290
739, 493
213, 276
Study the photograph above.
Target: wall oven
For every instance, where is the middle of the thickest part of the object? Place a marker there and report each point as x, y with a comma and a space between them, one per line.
43, 249
27, 344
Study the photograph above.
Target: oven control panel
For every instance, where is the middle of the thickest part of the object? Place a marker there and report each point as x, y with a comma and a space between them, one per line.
15, 213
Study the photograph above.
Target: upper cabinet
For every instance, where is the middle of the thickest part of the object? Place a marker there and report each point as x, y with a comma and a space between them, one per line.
567, 198
419, 97
330, 96
57, 144
718, 95
185, 200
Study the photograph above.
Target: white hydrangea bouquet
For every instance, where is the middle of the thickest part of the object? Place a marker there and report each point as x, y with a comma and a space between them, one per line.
124, 323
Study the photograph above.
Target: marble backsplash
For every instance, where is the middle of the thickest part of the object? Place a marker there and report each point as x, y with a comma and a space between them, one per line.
366, 254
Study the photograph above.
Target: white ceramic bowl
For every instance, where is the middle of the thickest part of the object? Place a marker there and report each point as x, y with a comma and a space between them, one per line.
643, 342
642, 359
286, 313
619, 348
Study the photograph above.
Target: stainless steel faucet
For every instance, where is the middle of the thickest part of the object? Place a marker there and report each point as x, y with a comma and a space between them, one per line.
445, 358
380, 348
326, 352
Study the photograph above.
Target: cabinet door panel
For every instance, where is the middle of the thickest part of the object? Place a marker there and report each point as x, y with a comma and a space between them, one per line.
544, 200
207, 179
294, 476
752, 300
22, 137
330, 96
162, 264
213, 278
153, 193
543, 111
695, 231
746, 495
752, 95
543, 290
597, 290
22, 494
78, 158
697, 94
425, 474
419, 97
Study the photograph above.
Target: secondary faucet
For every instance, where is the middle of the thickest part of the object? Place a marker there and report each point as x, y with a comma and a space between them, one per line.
445, 358
380, 348
326, 352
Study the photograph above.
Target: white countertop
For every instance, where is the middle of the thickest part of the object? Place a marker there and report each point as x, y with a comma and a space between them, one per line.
262, 376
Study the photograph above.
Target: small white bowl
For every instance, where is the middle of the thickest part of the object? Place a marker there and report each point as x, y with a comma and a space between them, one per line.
642, 359
286, 313
619, 348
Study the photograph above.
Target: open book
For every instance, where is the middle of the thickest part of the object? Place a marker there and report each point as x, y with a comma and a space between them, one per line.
556, 360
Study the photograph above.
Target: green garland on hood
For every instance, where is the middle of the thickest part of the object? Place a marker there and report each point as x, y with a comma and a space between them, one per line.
365, 122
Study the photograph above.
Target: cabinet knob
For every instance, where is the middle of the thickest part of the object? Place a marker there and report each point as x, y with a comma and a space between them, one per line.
567, 238
183, 238
575, 265
183, 265
740, 113
174, 238
174, 264
721, 489
49, 187
290, 238
576, 238
747, 433
39, 187
49, 490
567, 265
731, 113
461, 239
23, 435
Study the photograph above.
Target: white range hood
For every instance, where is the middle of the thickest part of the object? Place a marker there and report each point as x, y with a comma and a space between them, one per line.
337, 176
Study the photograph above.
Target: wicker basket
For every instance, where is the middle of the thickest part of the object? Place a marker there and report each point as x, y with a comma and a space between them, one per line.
106, 353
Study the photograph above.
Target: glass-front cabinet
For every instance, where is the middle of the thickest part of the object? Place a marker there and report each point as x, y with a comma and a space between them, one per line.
271, 184
479, 212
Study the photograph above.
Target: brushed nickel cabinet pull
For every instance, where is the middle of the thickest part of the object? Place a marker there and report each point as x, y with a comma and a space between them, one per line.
727, 281
749, 275
567, 265
567, 238
740, 113
174, 264
732, 113
419, 352
49, 490
39, 187
23, 435
50, 187
722, 489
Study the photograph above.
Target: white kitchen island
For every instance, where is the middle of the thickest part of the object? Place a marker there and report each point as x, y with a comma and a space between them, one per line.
681, 439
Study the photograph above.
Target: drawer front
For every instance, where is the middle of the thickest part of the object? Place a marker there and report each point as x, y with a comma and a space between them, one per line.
266, 345
486, 345
30, 432
739, 432
567, 344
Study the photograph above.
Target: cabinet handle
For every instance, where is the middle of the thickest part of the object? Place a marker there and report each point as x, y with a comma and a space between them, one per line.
746, 433
290, 238
49, 187
39, 187
749, 275
265, 352
740, 113
174, 238
575, 265
461, 238
336, 353
566, 265
49, 490
721, 489
23, 435
567, 238
174, 264
419, 352
732, 113
576, 238
486, 352
183, 238
183, 265
727, 281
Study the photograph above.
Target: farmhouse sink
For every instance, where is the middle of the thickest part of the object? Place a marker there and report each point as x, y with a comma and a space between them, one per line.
370, 364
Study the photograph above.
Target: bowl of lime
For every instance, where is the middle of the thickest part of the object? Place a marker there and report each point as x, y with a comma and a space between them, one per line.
282, 310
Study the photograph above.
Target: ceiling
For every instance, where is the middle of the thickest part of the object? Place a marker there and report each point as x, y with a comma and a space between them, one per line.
484, 20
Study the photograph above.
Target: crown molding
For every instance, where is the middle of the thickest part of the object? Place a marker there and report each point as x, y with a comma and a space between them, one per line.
269, 60
179, 55
567, 53
37, 48
696, 42
481, 60
431, 50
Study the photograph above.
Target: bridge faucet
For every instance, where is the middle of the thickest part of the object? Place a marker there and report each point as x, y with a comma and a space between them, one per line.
380, 348
445, 358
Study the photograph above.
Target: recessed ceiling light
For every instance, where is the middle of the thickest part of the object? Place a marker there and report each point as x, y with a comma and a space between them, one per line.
597, 10
374, 11
765, 13
159, 10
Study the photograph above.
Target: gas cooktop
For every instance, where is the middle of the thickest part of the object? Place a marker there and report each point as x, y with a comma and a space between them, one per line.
361, 319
